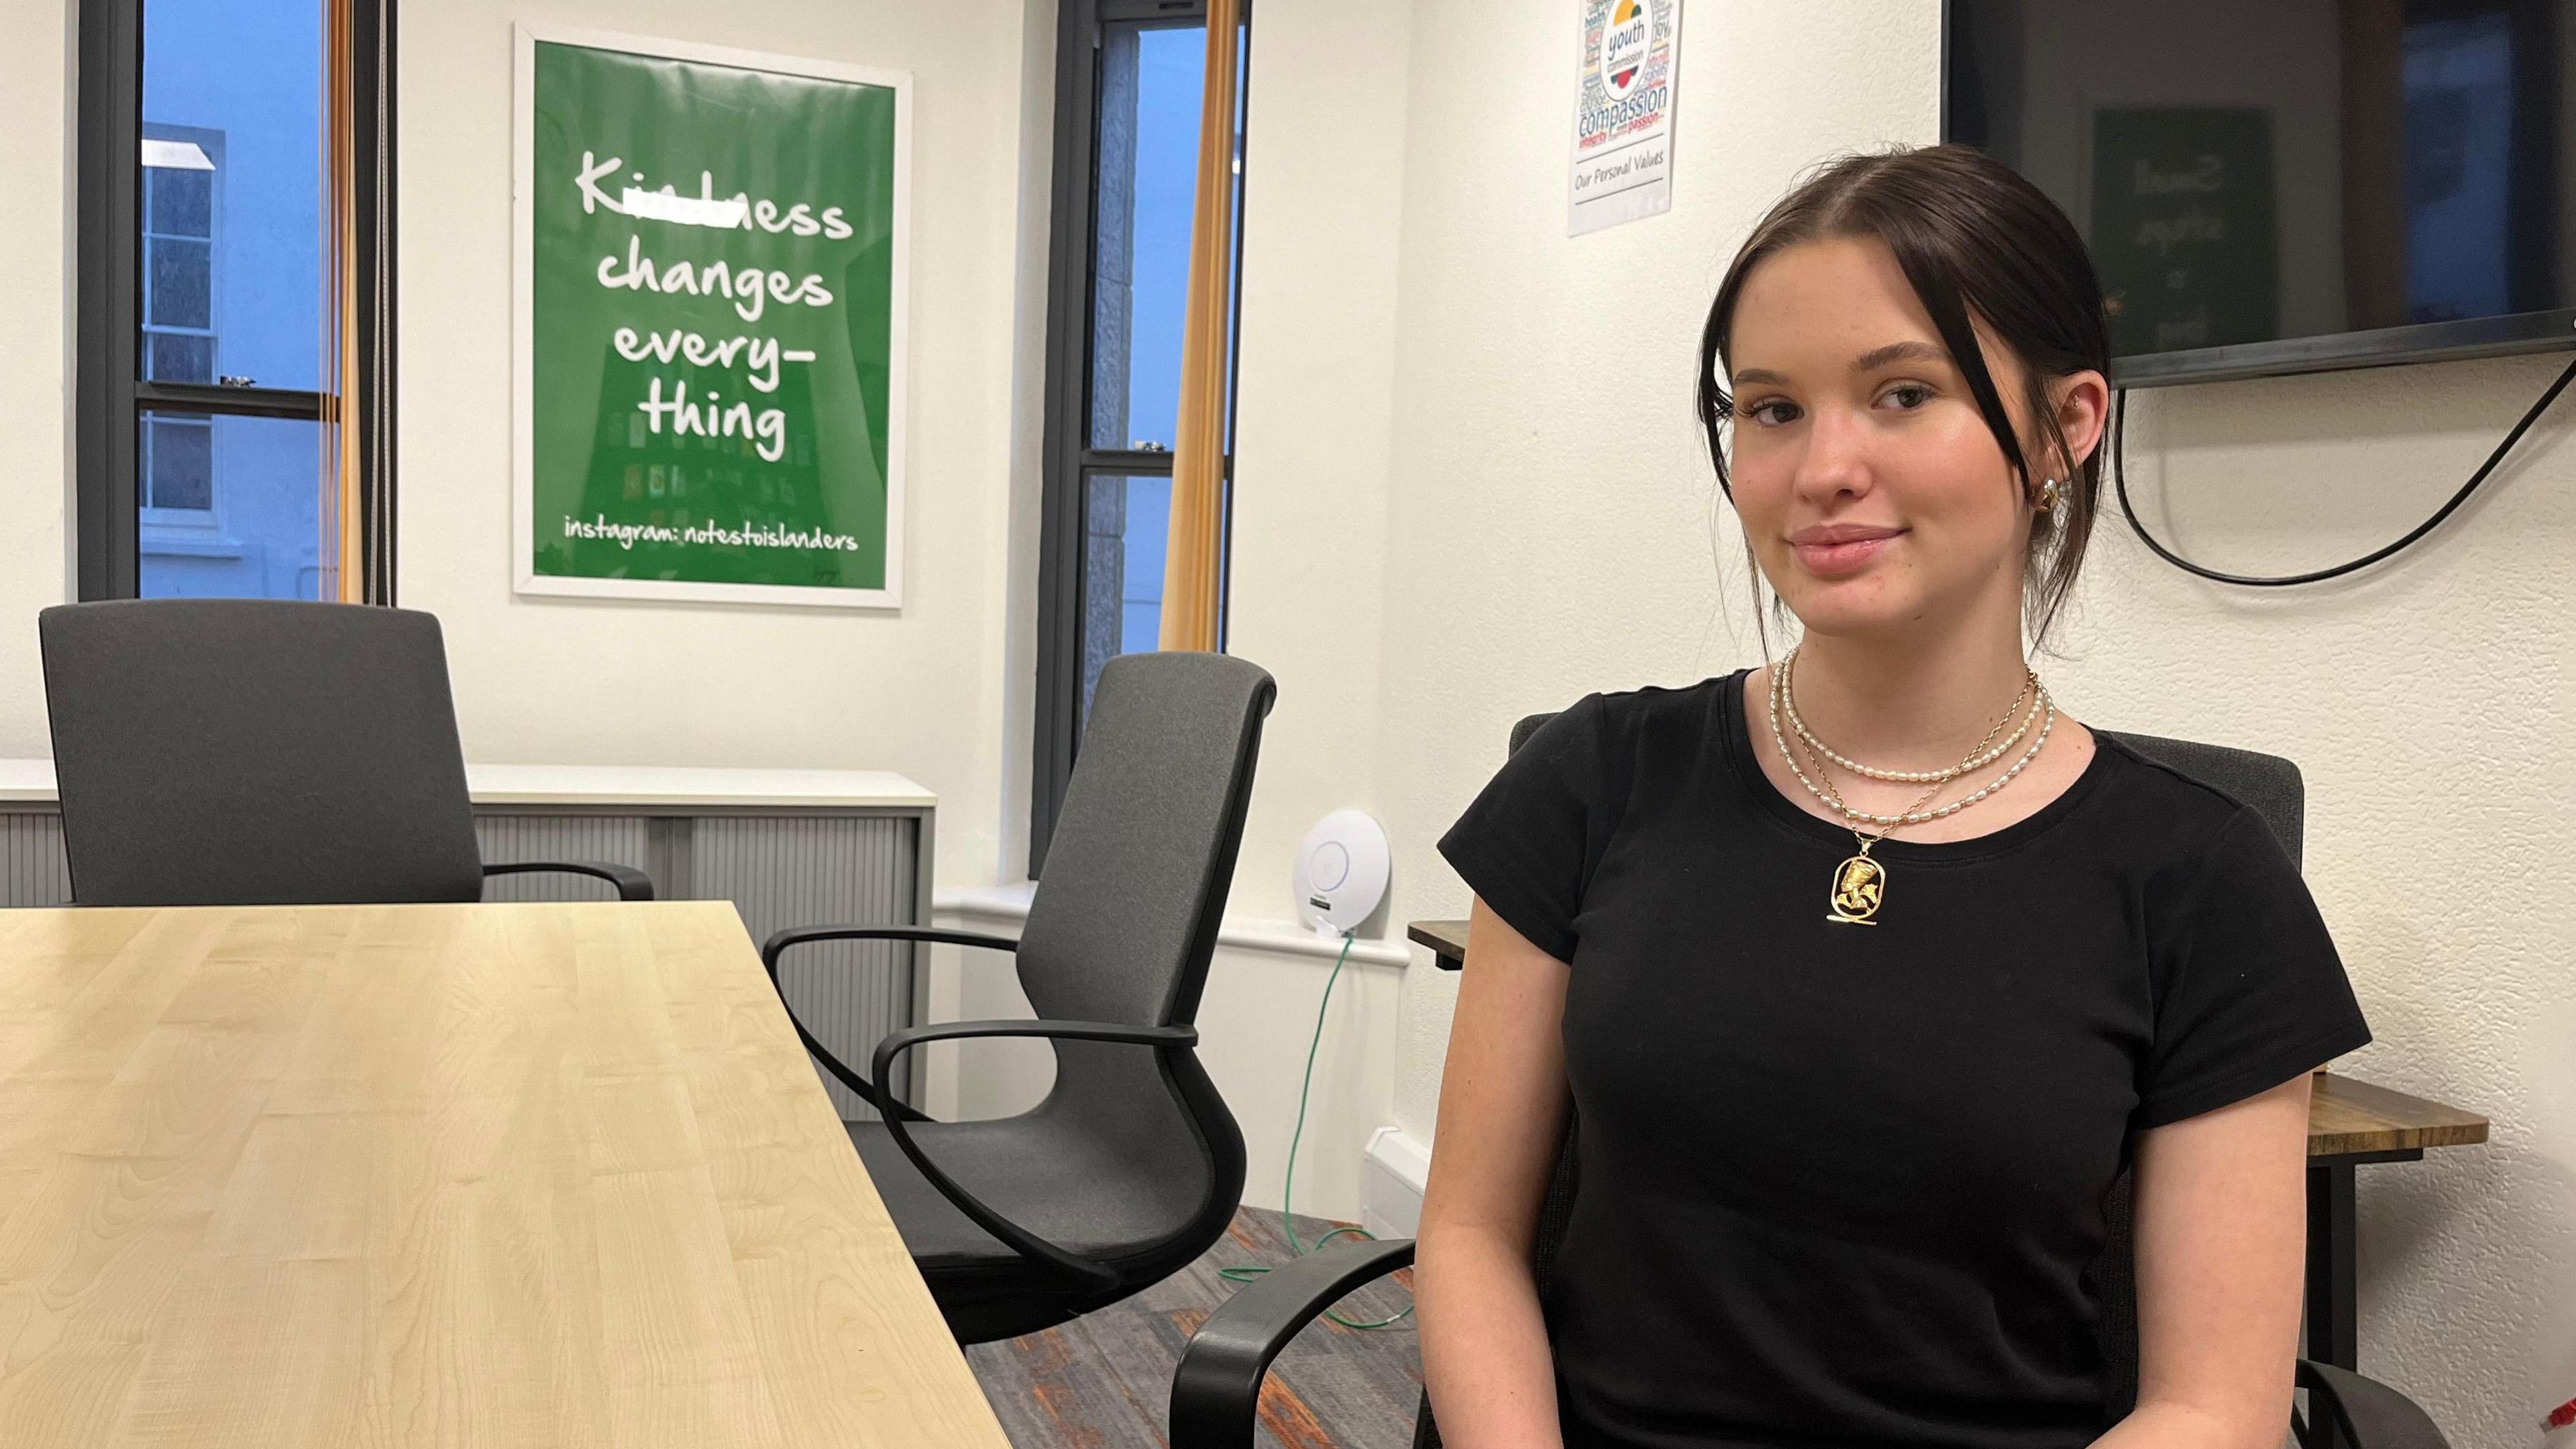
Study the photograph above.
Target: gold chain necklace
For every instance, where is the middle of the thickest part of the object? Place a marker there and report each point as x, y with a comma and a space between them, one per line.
1859, 885
1986, 753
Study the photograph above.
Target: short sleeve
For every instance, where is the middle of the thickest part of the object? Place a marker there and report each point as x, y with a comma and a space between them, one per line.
1527, 844
2250, 991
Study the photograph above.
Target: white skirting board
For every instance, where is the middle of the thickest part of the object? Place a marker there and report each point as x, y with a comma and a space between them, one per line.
1391, 1179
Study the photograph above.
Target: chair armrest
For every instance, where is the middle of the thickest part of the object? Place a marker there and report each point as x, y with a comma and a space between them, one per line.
2370, 1414
1216, 1391
794, 936
1026, 1243
632, 884
784, 941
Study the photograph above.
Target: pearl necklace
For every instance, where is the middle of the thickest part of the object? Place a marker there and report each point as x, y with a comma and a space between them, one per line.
1859, 885
1979, 757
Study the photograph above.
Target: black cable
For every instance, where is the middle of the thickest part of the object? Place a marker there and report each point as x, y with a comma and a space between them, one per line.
2120, 485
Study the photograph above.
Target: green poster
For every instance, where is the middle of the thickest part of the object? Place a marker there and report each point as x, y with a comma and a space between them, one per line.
710, 323
2185, 229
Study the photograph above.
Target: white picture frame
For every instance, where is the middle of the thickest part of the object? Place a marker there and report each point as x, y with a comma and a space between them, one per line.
526, 580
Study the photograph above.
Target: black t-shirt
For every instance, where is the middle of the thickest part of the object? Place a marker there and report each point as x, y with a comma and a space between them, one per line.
1842, 1184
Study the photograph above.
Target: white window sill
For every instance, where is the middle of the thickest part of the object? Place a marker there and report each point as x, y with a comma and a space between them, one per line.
1286, 938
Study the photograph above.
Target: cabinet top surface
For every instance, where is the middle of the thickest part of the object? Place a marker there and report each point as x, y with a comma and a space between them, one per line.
33, 780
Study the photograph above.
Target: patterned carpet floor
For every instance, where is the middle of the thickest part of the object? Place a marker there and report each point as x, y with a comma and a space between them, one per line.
1104, 1381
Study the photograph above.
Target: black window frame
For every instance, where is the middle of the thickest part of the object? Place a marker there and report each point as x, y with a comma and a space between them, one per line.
1069, 459
111, 396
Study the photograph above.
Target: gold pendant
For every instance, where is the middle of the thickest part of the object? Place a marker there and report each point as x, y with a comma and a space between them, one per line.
1860, 884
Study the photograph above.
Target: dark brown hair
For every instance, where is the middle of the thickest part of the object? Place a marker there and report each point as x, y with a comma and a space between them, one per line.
1976, 241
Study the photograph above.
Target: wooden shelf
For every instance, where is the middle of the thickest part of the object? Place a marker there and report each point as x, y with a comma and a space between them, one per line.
1447, 940
2350, 1118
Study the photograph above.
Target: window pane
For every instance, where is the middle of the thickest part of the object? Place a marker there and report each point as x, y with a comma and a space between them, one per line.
1125, 522
239, 81
182, 199
179, 357
1150, 87
177, 283
179, 469
231, 507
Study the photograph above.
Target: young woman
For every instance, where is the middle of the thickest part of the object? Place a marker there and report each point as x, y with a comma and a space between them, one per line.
1866, 973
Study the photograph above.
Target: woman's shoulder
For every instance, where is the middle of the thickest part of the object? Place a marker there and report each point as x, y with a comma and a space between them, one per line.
2174, 802
1612, 739
1653, 708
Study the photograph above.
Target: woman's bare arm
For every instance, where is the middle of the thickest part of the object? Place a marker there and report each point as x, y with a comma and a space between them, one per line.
2220, 1213
1502, 1111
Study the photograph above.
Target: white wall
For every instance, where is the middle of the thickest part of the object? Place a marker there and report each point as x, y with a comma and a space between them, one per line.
36, 87
1306, 588
1551, 527
922, 692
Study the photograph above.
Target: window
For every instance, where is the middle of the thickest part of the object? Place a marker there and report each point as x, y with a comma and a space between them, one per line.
178, 468
178, 262
1130, 80
225, 228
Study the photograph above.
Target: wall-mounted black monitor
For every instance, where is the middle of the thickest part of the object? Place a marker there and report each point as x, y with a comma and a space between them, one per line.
2275, 186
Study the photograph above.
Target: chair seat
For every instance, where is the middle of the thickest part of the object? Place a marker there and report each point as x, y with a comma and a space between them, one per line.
1068, 1190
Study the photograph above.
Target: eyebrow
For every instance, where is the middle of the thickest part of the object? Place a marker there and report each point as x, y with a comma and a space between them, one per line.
1870, 361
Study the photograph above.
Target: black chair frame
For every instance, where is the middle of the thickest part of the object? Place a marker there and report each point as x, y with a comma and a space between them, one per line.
265, 752
1129, 1165
1081, 1273
1216, 1392
632, 884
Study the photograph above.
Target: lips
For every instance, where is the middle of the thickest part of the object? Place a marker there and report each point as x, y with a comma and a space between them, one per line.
1836, 550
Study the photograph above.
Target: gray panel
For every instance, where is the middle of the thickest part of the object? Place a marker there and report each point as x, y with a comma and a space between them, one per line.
781, 871
617, 839
33, 869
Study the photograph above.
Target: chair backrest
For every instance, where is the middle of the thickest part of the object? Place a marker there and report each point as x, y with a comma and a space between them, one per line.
2268, 785
1123, 925
256, 752
1124, 919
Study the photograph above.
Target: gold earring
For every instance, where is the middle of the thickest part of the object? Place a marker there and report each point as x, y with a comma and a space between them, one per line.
2047, 497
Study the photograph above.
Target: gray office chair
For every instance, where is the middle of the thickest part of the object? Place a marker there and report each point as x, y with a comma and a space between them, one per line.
1218, 1384
1132, 1166
263, 752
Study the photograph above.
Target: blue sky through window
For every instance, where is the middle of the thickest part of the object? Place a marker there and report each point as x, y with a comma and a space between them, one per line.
233, 138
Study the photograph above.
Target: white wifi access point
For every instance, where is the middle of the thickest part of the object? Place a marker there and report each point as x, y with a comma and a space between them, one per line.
1341, 872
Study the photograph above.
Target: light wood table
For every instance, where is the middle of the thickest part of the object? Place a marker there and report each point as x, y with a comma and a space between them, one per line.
510, 1176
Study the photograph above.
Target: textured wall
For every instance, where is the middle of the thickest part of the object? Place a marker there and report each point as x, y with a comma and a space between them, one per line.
2428, 707
1550, 532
